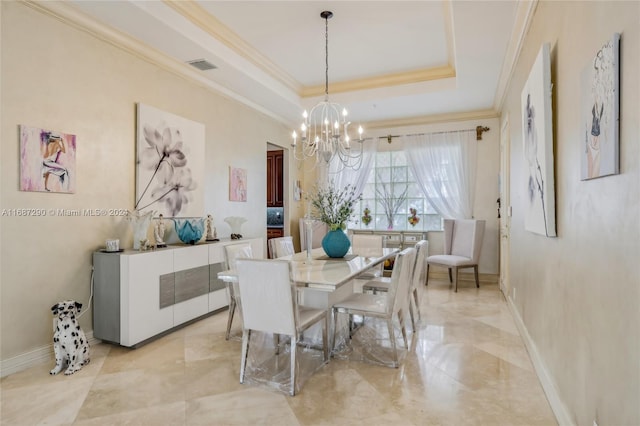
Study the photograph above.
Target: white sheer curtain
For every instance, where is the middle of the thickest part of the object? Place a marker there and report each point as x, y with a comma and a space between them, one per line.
357, 178
444, 165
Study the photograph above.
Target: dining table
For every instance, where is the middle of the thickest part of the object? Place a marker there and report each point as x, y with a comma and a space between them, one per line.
324, 274
324, 281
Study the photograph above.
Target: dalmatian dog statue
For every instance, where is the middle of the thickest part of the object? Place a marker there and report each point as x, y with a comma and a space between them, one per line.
69, 342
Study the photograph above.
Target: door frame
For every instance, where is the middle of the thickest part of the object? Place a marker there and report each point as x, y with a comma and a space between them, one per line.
505, 206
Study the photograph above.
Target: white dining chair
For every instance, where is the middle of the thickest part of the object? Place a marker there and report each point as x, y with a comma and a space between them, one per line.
418, 275
269, 304
368, 246
462, 244
281, 246
387, 306
233, 253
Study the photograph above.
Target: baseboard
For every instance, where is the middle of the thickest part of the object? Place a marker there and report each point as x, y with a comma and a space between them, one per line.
557, 406
464, 276
35, 357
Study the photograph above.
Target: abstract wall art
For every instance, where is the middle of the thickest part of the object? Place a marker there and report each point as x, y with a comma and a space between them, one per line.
237, 184
169, 164
537, 137
47, 160
599, 151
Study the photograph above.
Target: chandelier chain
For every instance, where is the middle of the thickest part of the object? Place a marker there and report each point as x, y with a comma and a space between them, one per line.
326, 57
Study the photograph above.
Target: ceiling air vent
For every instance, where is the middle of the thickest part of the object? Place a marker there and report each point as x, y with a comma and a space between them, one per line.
202, 65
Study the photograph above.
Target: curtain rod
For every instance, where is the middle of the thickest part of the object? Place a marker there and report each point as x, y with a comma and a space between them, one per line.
479, 131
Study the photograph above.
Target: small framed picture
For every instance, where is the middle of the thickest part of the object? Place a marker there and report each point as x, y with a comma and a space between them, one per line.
237, 184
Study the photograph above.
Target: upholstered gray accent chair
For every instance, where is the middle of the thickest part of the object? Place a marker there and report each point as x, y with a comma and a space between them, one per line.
462, 244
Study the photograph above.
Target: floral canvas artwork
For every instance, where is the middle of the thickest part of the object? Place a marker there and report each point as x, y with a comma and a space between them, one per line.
47, 160
169, 164
600, 112
537, 137
237, 184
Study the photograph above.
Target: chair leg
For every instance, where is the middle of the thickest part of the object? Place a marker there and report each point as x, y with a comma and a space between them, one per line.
427, 280
450, 278
417, 302
335, 328
294, 349
246, 335
325, 338
232, 310
475, 271
276, 342
403, 328
411, 314
455, 278
392, 336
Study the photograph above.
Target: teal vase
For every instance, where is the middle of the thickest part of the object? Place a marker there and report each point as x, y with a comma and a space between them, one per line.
336, 243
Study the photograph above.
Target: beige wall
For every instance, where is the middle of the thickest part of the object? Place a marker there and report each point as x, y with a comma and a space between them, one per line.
57, 77
578, 294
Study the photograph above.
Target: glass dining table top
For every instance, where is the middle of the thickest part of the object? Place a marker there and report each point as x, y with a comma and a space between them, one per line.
322, 272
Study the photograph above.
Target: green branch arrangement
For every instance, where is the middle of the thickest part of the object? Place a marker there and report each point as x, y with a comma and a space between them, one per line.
334, 207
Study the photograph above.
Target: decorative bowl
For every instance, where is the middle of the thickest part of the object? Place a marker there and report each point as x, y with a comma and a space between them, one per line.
190, 230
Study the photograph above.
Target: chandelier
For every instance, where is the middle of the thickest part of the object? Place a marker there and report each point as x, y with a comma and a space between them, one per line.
324, 132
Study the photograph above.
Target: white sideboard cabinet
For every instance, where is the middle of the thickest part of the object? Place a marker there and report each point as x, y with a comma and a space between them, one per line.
139, 295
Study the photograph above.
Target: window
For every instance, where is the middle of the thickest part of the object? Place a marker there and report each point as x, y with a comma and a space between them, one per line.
390, 193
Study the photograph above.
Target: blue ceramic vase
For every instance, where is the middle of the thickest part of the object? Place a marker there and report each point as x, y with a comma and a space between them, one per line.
336, 243
189, 230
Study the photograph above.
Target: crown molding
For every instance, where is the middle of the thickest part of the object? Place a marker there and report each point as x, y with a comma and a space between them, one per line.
432, 119
447, 12
204, 20
382, 81
524, 16
70, 15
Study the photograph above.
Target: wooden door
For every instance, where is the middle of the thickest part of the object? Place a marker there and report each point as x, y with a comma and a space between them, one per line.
271, 196
275, 178
279, 179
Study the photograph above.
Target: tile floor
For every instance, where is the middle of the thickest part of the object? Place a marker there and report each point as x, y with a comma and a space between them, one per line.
467, 366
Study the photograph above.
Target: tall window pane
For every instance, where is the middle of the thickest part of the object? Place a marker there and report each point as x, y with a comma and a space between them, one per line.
390, 195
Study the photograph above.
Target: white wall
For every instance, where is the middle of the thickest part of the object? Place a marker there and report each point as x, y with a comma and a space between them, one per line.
57, 77
578, 294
